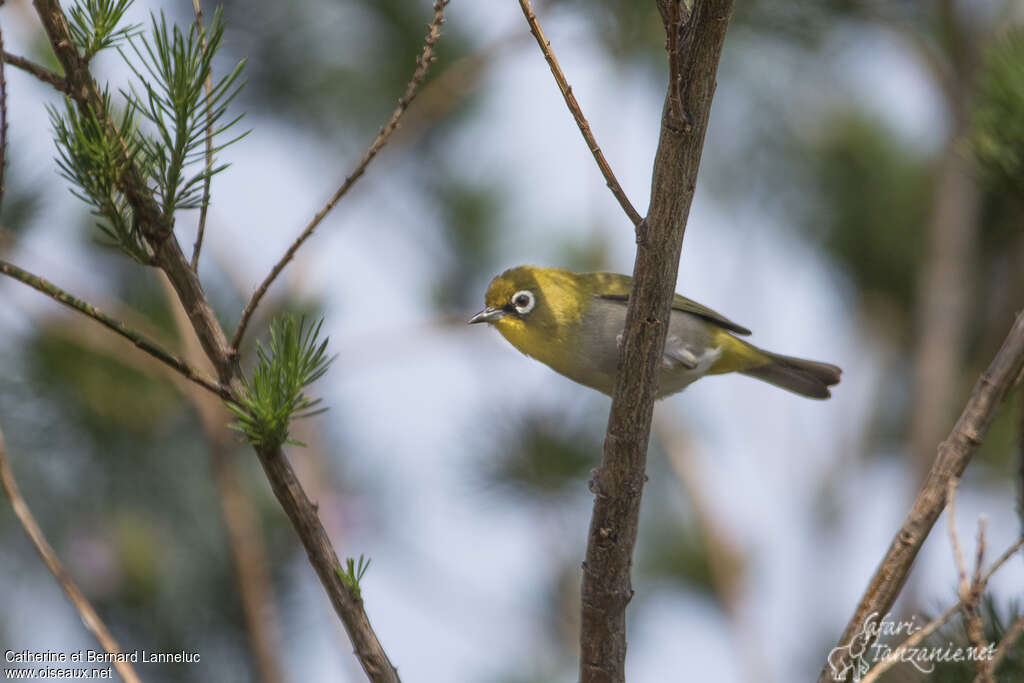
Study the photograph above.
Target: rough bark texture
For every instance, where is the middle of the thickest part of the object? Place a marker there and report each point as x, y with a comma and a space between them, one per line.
953, 455
618, 482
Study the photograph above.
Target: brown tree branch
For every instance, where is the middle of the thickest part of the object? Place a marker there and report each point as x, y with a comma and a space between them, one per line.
577, 113
423, 63
953, 455
135, 337
90, 618
3, 122
349, 607
618, 482
167, 255
37, 70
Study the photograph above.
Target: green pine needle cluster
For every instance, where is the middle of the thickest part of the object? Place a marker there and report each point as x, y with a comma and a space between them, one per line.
274, 395
353, 574
998, 118
169, 116
94, 25
173, 69
94, 161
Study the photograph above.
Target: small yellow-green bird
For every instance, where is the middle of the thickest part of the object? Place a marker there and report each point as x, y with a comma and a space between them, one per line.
573, 323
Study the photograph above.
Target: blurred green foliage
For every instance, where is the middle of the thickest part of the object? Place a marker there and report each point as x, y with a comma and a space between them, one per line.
998, 123
539, 455
873, 198
675, 551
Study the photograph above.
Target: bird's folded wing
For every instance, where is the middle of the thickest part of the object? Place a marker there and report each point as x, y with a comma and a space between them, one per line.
679, 303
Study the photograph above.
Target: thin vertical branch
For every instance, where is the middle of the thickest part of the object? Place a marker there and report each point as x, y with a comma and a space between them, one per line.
970, 591
1020, 462
197, 247
952, 458
90, 618
423, 63
577, 113
618, 482
3, 122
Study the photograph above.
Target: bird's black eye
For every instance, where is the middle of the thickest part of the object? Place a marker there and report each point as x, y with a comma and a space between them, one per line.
523, 301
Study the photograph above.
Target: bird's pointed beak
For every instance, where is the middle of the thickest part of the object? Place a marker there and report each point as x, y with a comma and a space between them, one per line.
488, 315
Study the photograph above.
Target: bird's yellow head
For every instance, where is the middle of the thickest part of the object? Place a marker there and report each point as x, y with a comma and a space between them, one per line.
535, 309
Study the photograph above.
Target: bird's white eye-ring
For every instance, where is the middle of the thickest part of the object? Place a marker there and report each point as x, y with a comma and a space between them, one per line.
524, 301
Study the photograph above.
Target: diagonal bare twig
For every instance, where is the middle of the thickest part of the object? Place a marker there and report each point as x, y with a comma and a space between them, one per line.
90, 619
41, 72
205, 206
970, 591
918, 637
952, 458
577, 113
423, 63
135, 337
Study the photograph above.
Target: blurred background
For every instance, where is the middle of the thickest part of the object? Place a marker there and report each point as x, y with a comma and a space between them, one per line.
860, 203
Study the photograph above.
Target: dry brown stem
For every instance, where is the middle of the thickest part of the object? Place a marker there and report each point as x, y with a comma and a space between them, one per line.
577, 113
90, 618
205, 206
422, 65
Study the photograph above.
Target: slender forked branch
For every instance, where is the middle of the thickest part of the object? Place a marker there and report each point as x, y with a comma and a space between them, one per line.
140, 340
204, 207
917, 637
952, 458
90, 618
422, 65
577, 113
970, 591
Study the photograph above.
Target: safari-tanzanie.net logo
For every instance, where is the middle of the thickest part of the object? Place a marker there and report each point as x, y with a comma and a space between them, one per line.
857, 657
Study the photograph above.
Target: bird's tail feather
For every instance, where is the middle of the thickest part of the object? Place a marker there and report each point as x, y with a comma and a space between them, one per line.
805, 377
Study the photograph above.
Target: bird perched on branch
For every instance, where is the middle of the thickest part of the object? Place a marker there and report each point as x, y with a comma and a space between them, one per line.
573, 322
